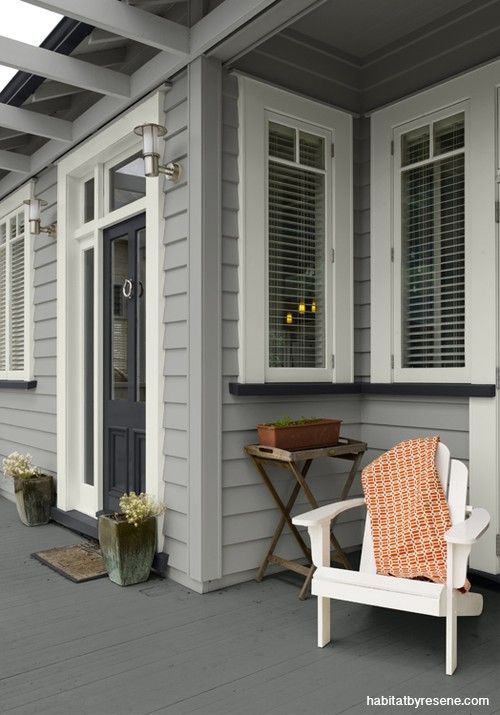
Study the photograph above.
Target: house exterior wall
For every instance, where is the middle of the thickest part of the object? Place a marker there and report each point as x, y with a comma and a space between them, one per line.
28, 417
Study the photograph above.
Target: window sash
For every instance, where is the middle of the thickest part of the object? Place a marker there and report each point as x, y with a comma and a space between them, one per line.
452, 325
278, 167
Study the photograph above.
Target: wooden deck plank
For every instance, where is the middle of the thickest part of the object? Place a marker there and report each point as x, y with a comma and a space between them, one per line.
98, 649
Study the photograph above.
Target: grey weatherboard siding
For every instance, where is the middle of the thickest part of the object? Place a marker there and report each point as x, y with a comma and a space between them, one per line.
28, 417
175, 339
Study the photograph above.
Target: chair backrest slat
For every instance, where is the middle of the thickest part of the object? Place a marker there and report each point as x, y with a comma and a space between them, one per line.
367, 563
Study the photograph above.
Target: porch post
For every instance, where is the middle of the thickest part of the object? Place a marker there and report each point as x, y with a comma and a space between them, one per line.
204, 453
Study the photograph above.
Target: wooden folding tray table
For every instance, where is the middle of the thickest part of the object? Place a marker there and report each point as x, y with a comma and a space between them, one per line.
348, 449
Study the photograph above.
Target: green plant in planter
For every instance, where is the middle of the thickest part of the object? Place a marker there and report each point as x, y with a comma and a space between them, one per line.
34, 491
128, 538
289, 422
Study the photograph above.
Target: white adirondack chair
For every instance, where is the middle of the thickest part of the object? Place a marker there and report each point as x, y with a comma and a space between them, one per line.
366, 586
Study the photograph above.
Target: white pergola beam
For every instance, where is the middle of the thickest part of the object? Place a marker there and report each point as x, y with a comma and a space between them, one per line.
124, 20
10, 161
34, 123
69, 70
232, 17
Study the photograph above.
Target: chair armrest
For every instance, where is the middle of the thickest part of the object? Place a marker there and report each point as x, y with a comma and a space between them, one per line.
325, 514
469, 531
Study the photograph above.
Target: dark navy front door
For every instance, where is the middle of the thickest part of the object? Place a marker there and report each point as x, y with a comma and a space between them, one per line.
124, 359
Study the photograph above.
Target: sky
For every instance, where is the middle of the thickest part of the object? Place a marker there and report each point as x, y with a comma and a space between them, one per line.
24, 22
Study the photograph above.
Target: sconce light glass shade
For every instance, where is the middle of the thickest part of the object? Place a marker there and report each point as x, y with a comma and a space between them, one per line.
302, 307
289, 318
34, 215
313, 307
151, 134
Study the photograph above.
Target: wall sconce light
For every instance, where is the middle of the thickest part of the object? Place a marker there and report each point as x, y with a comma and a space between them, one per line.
35, 209
151, 134
313, 307
302, 306
289, 318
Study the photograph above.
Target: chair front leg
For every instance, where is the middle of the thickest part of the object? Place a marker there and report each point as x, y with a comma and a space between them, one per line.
320, 550
324, 621
451, 614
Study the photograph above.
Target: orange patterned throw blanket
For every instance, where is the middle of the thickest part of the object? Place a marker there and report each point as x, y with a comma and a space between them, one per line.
408, 511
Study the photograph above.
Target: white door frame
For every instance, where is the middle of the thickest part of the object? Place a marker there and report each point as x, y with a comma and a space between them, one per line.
91, 159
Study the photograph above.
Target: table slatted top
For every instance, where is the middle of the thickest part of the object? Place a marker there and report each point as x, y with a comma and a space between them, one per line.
345, 448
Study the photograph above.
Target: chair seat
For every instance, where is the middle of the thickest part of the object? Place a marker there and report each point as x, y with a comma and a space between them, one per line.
401, 594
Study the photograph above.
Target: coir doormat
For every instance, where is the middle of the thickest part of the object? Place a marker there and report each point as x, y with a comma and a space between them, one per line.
79, 562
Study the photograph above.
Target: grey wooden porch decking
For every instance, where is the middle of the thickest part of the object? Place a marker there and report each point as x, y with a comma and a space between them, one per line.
99, 649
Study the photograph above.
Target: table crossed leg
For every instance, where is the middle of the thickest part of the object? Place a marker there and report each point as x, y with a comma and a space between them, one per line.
285, 519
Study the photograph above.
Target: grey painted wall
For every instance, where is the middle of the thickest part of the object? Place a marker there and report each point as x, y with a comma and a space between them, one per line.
176, 330
28, 418
361, 206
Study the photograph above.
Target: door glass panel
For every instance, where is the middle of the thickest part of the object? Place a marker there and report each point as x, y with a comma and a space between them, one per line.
119, 320
141, 316
127, 182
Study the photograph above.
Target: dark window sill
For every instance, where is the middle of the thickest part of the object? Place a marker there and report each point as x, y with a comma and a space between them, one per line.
18, 384
432, 389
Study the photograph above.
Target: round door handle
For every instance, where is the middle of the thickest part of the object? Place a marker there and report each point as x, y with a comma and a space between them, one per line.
128, 288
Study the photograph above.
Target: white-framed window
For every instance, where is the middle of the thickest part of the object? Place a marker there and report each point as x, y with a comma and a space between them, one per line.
15, 289
433, 257
295, 289
430, 200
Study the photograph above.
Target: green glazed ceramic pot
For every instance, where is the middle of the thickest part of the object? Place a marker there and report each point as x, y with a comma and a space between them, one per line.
34, 498
127, 550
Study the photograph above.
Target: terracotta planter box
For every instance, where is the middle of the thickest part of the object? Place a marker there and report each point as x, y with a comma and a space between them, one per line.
322, 433
127, 550
34, 498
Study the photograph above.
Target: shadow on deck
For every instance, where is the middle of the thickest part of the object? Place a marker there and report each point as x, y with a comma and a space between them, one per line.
98, 649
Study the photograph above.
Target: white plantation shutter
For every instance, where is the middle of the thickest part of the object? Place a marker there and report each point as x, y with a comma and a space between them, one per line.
296, 248
17, 304
433, 245
13, 308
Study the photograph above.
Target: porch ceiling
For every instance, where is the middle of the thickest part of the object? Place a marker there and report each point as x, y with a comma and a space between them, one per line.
362, 54
128, 48
373, 25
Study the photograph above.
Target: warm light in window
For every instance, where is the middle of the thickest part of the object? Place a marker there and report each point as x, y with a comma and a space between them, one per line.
302, 307
289, 318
